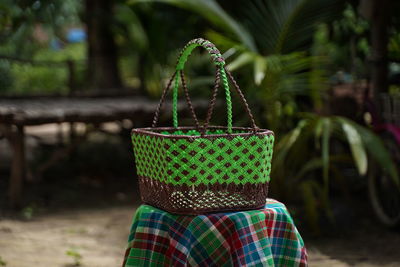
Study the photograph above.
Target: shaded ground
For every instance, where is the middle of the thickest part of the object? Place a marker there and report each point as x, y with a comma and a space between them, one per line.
367, 246
99, 237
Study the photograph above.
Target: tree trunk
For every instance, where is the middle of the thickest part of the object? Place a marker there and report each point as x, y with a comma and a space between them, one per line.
380, 19
103, 72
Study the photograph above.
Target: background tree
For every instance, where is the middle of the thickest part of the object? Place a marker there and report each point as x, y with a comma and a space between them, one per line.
102, 53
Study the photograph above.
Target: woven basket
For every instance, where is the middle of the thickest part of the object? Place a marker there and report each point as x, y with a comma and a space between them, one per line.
201, 169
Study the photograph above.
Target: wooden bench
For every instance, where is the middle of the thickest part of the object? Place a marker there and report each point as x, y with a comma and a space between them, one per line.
16, 113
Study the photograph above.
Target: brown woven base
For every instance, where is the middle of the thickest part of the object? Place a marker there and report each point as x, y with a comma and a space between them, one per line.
183, 199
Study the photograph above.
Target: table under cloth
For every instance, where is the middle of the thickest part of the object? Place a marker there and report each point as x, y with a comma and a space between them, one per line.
264, 237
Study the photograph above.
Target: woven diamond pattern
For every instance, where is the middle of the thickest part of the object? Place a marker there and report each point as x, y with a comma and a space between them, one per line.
195, 160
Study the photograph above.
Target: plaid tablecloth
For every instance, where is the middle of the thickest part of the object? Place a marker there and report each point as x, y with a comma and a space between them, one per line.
266, 237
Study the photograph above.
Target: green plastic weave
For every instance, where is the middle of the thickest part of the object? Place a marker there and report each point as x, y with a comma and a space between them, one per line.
195, 161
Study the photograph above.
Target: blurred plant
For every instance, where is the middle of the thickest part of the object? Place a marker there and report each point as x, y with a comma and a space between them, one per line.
2, 262
347, 41
269, 40
34, 79
308, 149
150, 29
212, 11
26, 30
280, 79
20, 18
284, 67
31, 78
6, 78
394, 47
28, 212
75, 255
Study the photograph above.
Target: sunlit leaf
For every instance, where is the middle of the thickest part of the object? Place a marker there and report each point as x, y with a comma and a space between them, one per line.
259, 69
356, 147
241, 60
376, 149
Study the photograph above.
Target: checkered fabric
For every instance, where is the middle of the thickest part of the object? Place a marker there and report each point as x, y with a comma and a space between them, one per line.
266, 237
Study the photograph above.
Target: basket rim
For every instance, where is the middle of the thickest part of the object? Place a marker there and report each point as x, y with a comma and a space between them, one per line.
153, 132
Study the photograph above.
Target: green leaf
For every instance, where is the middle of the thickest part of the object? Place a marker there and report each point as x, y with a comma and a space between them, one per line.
376, 149
326, 133
318, 133
136, 32
356, 147
260, 67
307, 189
312, 164
241, 60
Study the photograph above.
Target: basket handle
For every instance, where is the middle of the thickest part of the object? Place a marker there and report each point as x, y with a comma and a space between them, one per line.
219, 62
221, 72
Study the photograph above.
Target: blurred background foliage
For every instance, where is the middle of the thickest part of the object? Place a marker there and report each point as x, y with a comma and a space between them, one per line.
288, 55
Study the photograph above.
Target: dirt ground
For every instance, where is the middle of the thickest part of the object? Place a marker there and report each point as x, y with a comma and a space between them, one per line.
97, 237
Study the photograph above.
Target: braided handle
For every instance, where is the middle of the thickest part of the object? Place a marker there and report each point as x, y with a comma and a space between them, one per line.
210, 47
218, 61
221, 74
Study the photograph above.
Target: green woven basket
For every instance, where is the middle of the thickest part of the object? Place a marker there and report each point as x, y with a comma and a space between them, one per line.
200, 169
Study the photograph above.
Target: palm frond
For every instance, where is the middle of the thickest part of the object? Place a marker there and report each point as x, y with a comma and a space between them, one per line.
212, 11
284, 26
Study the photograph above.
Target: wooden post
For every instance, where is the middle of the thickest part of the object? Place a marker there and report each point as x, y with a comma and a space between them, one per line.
17, 167
72, 131
60, 136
